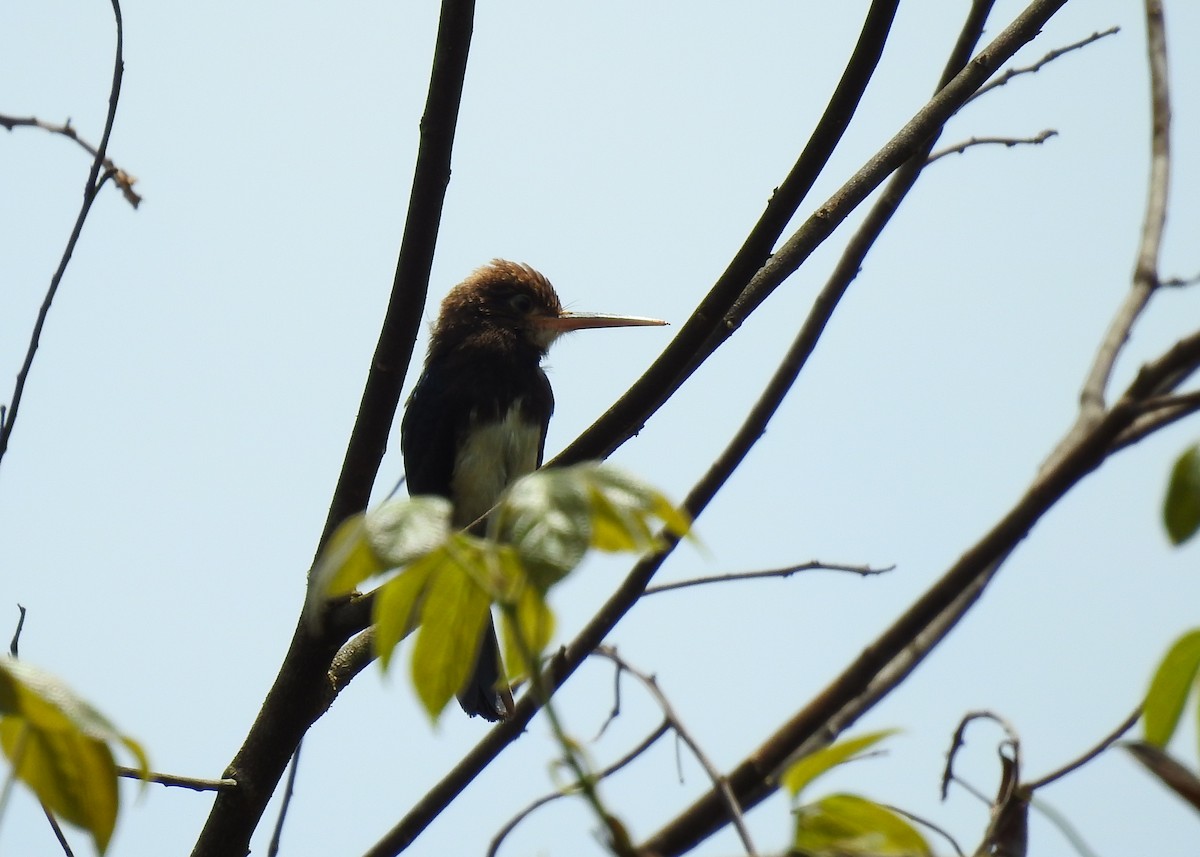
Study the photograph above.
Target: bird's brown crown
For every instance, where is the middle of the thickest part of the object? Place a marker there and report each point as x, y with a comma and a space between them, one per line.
498, 305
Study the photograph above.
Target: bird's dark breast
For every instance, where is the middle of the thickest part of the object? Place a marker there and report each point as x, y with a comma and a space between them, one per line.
472, 428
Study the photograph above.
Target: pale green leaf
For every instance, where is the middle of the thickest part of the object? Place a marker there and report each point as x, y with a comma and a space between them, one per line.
1169, 689
534, 621
1181, 506
397, 607
73, 774
346, 561
803, 771
844, 825
545, 517
59, 746
552, 516
368, 544
453, 619
496, 568
637, 502
399, 531
618, 528
674, 518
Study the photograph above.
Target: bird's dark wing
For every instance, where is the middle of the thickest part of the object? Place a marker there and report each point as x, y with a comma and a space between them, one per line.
434, 420
543, 398
443, 406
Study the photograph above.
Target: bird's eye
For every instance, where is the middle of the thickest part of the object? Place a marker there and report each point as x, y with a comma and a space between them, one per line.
521, 302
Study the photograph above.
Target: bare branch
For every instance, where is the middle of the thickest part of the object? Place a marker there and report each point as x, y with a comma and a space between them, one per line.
302, 691
907, 170
124, 180
788, 571
1009, 74
693, 344
196, 784
1145, 275
1007, 142
95, 181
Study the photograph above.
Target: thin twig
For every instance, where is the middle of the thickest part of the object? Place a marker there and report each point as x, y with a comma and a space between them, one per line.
289, 789
1161, 411
1009, 74
95, 182
15, 645
1179, 282
196, 784
1007, 142
1145, 274
124, 180
615, 711
925, 822
637, 751
788, 571
719, 782
58, 831
1104, 743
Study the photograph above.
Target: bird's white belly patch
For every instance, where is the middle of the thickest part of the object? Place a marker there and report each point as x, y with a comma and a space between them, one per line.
491, 457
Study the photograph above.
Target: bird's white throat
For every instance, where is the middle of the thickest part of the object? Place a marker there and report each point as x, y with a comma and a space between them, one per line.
493, 455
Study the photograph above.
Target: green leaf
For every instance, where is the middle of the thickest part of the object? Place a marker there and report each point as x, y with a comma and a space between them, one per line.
370, 543
1169, 689
58, 745
633, 496
803, 771
552, 516
397, 607
400, 531
546, 518
618, 528
346, 561
845, 825
1181, 507
453, 619
535, 622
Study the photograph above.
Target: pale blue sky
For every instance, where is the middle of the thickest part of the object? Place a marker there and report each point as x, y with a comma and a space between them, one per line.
201, 368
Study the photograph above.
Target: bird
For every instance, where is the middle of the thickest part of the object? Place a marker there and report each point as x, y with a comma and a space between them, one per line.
476, 420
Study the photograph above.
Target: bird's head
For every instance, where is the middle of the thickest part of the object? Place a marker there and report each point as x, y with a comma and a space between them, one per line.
505, 304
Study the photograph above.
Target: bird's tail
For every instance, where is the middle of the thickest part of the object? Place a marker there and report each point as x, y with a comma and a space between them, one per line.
486, 694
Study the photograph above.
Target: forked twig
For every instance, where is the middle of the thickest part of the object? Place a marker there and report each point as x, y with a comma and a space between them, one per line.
123, 180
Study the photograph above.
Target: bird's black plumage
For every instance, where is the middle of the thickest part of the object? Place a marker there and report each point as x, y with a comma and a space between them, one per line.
476, 421
459, 391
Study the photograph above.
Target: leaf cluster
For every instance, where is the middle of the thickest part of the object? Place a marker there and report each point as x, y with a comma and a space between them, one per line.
443, 582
